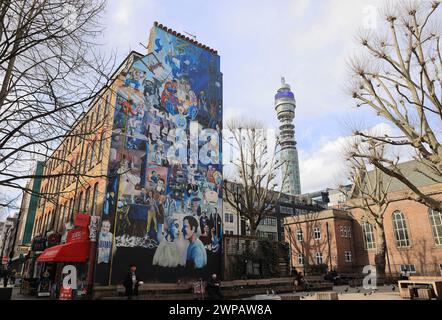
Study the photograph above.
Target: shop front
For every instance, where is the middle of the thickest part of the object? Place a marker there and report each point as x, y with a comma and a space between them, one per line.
69, 260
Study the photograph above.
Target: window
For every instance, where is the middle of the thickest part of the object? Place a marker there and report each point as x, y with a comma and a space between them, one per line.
440, 268
94, 199
347, 256
345, 231
100, 149
97, 115
369, 238
226, 217
91, 164
87, 198
318, 258
80, 199
436, 226
299, 235
408, 268
317, 233
400, 230
301, 259
231, 218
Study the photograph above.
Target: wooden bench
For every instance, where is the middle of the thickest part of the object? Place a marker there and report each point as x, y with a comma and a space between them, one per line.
326, 296
409, 288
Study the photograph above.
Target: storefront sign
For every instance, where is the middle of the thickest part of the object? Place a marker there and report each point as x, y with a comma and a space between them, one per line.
66, 293
82, 220
93, 228
77, 235
24, 250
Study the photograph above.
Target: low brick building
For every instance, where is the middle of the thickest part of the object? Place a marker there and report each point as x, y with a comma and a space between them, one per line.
322, 238
344, 241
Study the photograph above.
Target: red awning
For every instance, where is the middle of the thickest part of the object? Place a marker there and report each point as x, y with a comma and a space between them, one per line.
77, 251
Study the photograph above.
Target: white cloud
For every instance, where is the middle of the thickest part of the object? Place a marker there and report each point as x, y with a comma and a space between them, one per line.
325, 166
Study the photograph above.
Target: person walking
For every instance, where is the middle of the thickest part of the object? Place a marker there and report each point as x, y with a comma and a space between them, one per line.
131, 282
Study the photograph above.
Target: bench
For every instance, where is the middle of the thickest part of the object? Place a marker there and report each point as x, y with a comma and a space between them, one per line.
409, 289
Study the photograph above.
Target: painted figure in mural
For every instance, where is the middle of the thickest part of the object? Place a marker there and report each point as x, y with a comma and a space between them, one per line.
166, 255
196, 253
169, 100
135, 77
105, 239
206, 236
160, 217
152, 211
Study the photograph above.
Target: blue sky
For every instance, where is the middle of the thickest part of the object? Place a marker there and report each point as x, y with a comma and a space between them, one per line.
307, 41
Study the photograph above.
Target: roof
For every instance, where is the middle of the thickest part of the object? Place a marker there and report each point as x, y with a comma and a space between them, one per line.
183, 37
412, 170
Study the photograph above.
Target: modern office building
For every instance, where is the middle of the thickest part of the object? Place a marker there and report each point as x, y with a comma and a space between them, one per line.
285, 105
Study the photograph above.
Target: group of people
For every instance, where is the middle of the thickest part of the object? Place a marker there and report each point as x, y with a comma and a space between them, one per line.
131, 284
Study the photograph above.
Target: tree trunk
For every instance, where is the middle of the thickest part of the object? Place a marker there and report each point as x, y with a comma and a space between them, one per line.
381, 251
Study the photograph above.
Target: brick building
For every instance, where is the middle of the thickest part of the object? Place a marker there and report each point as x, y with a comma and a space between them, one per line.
413, 232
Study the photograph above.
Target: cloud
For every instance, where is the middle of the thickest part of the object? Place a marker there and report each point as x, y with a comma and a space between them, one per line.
325, 166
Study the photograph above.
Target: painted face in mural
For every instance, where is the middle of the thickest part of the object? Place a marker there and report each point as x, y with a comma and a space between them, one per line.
105, 227
189, 231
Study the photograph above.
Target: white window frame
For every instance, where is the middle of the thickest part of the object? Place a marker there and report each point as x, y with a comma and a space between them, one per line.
317, 233
400, 228
368, 231
301, 259
299, 235
348, 256
408, 268
318, 258
436, 225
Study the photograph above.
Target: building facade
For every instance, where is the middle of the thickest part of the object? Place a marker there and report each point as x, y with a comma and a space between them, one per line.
285, 106
26, 218
322, 238
138, 179
413, 233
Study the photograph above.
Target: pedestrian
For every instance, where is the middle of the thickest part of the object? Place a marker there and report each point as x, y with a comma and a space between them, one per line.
131, 282
214, 288
5, 278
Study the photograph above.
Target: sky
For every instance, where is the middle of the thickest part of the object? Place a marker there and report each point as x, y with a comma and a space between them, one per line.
309, 42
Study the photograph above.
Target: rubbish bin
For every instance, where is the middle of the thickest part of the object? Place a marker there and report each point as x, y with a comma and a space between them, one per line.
5, 293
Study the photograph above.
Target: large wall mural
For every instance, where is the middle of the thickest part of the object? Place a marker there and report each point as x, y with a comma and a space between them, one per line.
163, 206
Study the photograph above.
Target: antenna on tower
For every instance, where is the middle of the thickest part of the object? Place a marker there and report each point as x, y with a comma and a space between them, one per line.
190, 35
283, 81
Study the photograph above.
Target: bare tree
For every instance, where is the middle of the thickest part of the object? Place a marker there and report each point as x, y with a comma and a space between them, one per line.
257, 186
50, 71
400, 79
370, 193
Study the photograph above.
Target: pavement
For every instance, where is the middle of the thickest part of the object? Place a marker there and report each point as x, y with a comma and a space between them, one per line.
344, 293
348, 293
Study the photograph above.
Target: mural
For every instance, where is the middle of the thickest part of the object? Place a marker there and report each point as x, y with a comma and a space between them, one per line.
163, 203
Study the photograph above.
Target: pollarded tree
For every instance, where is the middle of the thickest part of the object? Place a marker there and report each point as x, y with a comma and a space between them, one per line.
370, 192
257, 181
400, 78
